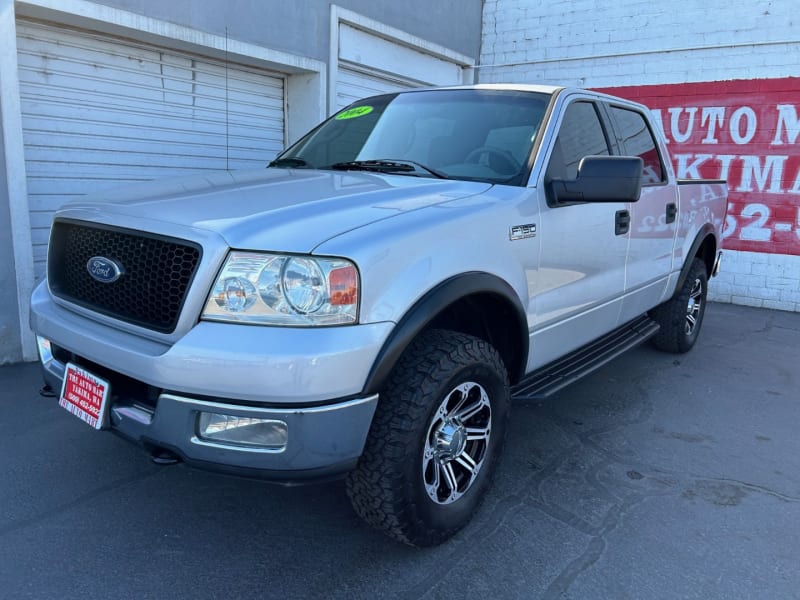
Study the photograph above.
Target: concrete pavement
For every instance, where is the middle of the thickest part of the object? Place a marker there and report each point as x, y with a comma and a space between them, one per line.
659, 476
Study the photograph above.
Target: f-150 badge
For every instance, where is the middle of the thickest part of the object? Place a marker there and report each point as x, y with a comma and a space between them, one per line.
518, 232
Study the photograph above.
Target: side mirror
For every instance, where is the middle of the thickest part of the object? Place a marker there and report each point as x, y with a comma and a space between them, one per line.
601, 179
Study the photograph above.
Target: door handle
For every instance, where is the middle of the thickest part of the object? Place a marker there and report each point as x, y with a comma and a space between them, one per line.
672, 212
622, 222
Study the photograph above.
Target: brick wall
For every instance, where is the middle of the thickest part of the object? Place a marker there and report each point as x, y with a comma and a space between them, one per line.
674, 59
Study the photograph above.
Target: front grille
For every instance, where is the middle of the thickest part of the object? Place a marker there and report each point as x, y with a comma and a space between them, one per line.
157, 272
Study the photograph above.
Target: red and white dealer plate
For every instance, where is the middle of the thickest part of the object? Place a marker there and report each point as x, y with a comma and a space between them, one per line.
84, 395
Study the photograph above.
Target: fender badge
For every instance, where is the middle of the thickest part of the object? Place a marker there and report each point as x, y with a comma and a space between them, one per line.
519, 232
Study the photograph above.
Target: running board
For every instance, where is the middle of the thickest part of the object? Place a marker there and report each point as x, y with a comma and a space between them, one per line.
562, 372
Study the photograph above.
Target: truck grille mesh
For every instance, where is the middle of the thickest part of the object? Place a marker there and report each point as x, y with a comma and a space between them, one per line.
157, 272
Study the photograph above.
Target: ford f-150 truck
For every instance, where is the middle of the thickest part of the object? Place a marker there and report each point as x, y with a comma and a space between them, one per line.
370, 303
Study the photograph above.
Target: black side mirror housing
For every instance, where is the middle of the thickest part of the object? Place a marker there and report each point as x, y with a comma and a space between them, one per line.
601, 179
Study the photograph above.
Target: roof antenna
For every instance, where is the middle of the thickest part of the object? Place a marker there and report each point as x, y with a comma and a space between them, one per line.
227, 165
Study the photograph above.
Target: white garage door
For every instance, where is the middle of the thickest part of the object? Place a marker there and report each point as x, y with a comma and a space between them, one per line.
370, 64
355, 84
99, 112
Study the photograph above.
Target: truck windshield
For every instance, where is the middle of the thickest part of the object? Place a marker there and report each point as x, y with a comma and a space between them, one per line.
476, 135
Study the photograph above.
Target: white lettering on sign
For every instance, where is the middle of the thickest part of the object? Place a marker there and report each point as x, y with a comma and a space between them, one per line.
755, 230
687, 170
742, 126
772, 170
675, 115
712, 117
751, 224
725, 161
787, 122
746, 132
758, 173
750, 124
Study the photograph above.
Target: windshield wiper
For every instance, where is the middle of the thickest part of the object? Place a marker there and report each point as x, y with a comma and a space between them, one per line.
290, 161
394, 165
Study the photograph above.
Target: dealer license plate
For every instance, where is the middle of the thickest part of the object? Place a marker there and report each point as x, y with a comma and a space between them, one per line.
84, 395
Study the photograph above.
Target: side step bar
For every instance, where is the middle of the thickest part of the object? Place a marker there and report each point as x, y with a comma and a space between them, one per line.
560, 373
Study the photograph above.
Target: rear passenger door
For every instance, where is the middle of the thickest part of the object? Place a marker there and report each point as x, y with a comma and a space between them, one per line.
653, 217
581, 275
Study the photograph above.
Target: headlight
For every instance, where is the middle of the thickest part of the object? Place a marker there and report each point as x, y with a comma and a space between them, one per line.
272, 289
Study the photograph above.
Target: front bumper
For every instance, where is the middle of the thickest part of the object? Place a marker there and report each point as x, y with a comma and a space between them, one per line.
322, 441
310, 379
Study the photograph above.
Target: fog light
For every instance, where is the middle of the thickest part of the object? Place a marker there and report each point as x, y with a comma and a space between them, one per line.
244, 431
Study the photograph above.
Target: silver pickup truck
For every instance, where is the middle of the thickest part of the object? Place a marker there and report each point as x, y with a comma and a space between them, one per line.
371, 302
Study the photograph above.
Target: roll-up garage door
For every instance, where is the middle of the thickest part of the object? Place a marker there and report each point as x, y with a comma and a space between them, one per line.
100, 112
369, 64
355, 84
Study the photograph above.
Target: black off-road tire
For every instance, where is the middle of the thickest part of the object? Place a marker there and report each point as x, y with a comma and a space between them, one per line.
681, 317
387, 489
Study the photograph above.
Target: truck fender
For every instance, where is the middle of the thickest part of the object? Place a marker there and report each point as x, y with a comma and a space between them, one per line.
432, 304
705, 231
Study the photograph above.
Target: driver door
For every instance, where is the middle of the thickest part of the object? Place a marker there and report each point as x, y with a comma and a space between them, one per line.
581, 277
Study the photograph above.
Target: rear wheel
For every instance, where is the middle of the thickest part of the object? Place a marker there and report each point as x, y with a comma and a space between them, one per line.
681, 317
435, 439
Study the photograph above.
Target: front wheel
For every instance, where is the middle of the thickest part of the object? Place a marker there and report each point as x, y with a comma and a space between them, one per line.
681, 317
435, 439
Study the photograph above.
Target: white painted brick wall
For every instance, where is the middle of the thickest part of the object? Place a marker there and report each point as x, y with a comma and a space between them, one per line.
568, 35
758, 279
607, 43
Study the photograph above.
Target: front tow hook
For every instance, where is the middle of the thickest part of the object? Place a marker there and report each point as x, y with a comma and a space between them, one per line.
160, 456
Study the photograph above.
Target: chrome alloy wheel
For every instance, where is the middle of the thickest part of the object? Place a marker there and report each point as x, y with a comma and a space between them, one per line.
456, 443
694, 306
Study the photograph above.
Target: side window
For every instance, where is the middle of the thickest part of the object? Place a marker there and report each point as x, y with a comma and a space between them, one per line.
636, 139
580, 135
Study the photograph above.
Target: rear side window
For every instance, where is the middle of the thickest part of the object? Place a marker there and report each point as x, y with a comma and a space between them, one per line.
636, 139
580, 135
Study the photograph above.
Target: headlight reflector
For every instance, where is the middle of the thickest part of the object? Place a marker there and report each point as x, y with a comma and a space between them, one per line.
273, 289
304, 285
235, 294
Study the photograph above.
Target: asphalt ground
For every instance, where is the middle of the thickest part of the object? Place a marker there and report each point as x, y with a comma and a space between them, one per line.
659, 476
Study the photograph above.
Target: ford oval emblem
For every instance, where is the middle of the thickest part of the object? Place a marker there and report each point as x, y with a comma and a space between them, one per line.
104, 270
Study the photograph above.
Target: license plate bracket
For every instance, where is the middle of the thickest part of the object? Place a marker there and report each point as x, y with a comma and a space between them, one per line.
85, 395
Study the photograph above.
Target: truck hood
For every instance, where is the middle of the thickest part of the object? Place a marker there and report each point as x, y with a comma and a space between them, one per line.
289, 210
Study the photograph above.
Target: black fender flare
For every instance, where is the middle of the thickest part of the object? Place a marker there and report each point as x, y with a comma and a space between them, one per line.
701, 237
432, 304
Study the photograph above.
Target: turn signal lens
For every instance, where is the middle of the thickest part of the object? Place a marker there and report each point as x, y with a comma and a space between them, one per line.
343, 284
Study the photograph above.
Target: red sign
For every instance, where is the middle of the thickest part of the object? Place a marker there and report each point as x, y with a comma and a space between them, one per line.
747, 132
84, 395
